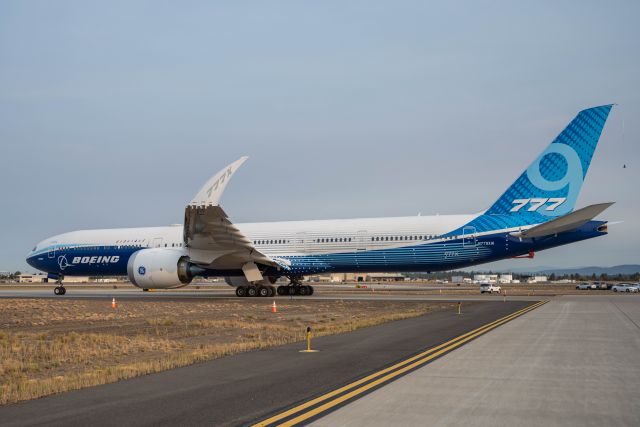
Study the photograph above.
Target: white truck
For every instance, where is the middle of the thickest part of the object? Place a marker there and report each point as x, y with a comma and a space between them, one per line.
488, 287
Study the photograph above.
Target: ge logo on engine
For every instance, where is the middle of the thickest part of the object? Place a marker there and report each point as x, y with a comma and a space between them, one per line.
142, 270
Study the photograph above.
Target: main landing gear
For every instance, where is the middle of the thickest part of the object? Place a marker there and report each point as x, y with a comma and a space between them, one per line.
255, 291
295, 287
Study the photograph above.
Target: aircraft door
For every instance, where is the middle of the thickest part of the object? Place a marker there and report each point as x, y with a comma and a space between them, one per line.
361, 240
301, 242
52, 250
157, 242
469, 237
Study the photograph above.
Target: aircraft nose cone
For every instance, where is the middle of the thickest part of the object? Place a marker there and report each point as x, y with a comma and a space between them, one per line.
31, 260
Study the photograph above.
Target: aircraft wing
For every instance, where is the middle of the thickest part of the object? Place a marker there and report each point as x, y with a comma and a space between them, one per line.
213, 240
567, 222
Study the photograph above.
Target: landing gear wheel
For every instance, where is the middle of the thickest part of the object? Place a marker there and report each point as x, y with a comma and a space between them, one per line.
303, 290
263, 291
292, 290
282, 290
272, 290
59, 290
252, 291
241, 291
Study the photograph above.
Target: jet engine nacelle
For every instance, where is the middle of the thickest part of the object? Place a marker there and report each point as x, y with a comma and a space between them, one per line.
159, 268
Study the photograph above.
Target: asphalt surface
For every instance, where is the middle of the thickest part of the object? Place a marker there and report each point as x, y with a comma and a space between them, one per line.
251, 386
131, 294
571, 362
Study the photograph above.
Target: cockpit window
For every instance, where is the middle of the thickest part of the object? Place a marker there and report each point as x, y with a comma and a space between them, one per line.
34, 248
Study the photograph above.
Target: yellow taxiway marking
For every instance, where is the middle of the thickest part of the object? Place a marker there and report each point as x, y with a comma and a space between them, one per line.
386, 374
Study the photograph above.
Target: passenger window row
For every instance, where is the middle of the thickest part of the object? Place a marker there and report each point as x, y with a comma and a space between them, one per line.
139, 243
350, 239
332, 240
271, 242
402, 238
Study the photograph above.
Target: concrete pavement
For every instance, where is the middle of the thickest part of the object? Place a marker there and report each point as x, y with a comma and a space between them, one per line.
574, 361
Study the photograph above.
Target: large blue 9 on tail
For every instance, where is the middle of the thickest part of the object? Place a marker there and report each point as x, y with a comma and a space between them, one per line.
550, 186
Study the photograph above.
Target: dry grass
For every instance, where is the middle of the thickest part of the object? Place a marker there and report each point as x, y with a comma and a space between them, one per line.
51, 346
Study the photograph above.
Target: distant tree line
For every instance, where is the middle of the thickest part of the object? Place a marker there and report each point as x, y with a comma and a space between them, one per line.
445, 275
10, 276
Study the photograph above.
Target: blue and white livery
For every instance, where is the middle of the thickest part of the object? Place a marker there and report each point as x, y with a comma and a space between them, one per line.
536, 212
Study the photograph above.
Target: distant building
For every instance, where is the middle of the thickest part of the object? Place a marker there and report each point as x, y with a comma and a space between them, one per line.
42, 278
360, 277
33, 278
457, 279
385, 277
343, 277
537, 279
485, 278
76, 279
505, 278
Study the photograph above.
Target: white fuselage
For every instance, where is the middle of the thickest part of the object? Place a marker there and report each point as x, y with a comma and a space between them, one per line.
282, 238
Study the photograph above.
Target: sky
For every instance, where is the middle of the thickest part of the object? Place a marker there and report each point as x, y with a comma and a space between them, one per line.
113, 114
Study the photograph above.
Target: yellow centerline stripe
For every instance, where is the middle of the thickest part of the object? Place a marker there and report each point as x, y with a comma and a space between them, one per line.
388, 377
391, 368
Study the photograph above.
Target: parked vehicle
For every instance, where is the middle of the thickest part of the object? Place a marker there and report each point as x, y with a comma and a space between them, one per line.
619, 287
585, 285
488, 287
625, 287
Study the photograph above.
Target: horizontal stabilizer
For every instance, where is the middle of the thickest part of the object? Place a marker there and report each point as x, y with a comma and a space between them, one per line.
567, 222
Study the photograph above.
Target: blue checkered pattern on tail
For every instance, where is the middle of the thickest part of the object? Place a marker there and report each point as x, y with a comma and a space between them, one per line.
550, 186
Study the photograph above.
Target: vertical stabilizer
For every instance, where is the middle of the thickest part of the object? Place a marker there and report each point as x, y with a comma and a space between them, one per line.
550, 186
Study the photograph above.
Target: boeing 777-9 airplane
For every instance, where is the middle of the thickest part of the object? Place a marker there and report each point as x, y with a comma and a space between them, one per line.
536, 212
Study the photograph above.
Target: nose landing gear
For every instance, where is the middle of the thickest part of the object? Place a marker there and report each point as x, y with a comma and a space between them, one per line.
60, 289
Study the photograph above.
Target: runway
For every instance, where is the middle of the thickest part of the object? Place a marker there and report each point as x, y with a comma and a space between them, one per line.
258, 385
131, 293
571, 362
